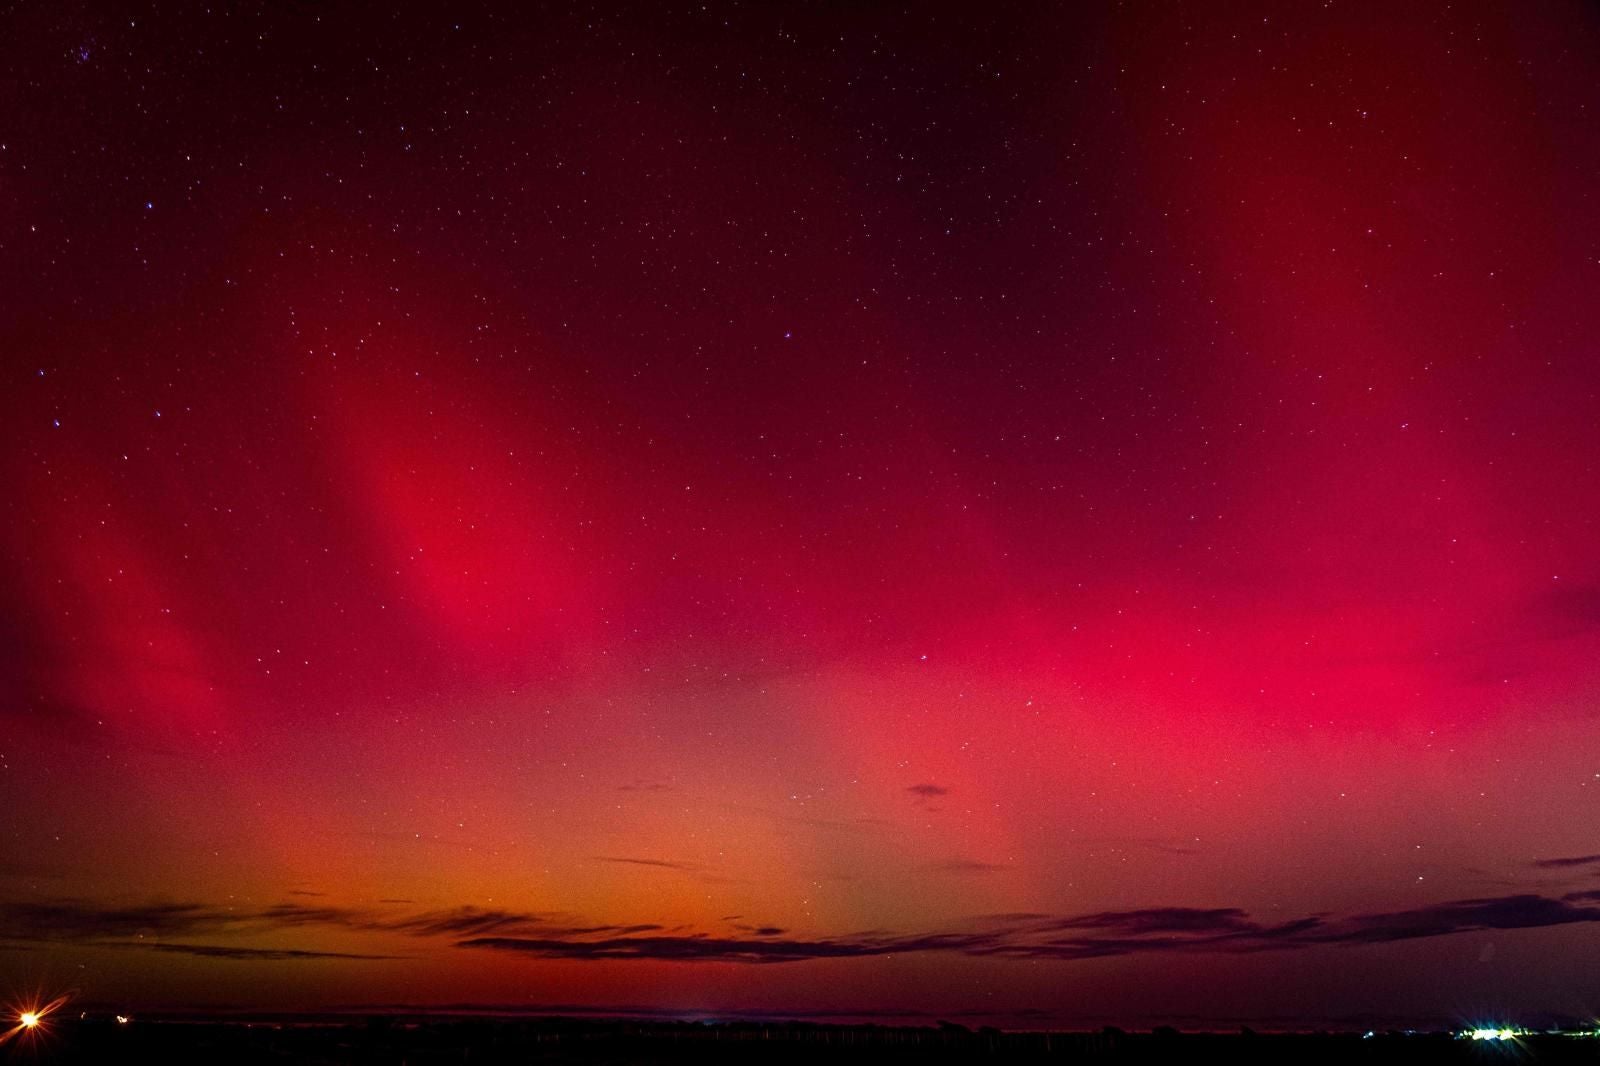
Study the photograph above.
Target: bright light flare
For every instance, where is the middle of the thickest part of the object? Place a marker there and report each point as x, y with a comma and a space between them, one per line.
30, 1020
1492, 1034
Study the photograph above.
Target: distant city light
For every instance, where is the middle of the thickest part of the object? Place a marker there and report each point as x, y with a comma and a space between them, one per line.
1491, 1034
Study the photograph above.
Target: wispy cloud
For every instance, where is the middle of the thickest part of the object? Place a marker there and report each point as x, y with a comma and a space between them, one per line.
1157, 930
725, 949
665, 864
149, 927
1568, 863
89, 922
1025, 935
462, 921
1526, 911
75, 920
1163, 920
928, 791
84, 920
217, 951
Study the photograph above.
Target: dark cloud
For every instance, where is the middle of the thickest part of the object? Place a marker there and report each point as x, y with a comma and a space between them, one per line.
85, 922
462, 921
1157, 930
728, 949
75, 920
215, 951
927, 791
1152, 930
1562, 864
569, 931
79, 920
662, 863
1029, 935
295, 914
1172, 929
1525, 911
1164, 920
123, 927
305, 892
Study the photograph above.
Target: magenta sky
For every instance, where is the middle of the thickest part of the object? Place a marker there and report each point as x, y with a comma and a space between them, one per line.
1055, 516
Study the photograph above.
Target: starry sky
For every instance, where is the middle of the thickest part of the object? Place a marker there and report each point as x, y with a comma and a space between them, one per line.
1048, 514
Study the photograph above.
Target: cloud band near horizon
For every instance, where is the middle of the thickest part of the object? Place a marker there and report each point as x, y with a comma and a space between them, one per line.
1153, 930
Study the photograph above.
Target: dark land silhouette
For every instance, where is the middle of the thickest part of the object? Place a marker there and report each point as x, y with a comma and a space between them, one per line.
414, 1040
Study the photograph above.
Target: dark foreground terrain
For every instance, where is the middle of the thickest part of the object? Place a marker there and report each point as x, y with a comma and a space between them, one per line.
555, 1041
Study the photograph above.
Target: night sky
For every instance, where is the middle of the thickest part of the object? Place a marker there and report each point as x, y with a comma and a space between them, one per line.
1061, 514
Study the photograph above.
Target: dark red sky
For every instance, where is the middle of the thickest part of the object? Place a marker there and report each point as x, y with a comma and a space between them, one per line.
1068, 514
